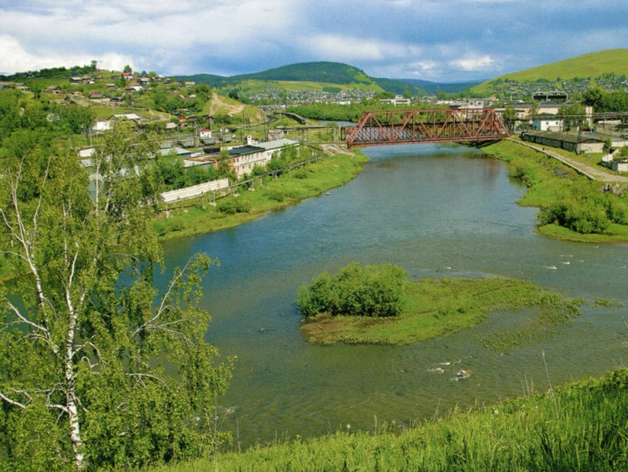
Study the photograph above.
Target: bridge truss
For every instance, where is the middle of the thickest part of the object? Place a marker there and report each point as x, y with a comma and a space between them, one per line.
426, 126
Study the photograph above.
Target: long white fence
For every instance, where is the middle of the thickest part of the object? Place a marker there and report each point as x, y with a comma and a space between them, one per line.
195, 190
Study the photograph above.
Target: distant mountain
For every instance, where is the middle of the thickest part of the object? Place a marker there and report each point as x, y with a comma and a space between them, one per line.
318, 72
432, 88
325, 72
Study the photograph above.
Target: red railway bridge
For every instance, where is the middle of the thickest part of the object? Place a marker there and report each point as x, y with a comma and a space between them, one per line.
377, 128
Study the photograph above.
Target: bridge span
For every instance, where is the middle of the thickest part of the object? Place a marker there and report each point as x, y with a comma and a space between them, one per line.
377, 128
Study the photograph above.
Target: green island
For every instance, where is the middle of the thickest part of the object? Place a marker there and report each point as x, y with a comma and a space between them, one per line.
378, 305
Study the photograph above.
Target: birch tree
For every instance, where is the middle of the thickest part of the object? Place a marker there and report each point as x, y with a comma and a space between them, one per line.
96, 368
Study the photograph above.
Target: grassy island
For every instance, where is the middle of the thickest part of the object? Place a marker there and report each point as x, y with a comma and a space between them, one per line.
427, 309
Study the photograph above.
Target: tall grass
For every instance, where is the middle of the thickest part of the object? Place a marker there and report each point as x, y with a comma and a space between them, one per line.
581, 427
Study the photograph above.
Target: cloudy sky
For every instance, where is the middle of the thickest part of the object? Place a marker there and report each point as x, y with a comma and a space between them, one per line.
437, 40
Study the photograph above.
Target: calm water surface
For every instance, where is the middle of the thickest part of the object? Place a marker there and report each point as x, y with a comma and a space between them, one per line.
438, 212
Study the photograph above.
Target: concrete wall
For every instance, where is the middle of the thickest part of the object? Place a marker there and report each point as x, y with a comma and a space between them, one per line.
194, 191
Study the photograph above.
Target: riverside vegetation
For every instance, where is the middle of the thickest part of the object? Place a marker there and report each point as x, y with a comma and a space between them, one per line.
87, 287
571, 206
262, 195
378, 305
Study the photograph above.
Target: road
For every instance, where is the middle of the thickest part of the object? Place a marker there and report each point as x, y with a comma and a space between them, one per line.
591, 172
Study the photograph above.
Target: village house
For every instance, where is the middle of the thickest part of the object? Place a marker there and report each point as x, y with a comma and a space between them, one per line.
244, 158
398, 100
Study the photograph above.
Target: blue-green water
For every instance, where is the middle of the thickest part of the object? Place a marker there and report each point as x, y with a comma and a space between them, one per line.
436, 211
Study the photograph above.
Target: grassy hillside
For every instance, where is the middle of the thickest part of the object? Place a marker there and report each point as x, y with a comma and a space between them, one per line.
595, 64
580, 427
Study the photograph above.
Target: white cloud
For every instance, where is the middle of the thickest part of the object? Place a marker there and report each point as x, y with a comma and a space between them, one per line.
17, 59
473, 63
436, 38
347, 48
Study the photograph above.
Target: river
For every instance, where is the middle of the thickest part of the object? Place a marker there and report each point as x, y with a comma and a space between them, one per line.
437, 211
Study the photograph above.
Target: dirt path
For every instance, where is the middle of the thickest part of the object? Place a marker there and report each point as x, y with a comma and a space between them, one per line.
584, 169
217, 104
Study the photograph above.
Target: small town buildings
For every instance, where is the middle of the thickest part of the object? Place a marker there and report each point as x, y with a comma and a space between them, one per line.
570, 142
244, 158
128, 116
398, 100
102, 126
204, 133
619, 165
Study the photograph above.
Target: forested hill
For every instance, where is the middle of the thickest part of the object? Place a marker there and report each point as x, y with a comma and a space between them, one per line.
321, 72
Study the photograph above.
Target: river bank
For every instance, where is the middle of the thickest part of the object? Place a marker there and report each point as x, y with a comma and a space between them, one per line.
269, 195
572, 207
577, 427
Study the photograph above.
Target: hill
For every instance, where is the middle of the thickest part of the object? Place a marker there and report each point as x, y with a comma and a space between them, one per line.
322, 73
592, 65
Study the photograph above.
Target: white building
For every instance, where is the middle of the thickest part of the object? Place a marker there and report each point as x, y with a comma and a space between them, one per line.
244, 158
548, 124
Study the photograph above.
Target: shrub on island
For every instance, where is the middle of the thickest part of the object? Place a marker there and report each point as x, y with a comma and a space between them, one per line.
371, 291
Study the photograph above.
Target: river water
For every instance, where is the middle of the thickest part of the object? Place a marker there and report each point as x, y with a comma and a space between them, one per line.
437, 211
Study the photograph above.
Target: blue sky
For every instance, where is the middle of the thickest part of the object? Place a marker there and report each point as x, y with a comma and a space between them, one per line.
437, 40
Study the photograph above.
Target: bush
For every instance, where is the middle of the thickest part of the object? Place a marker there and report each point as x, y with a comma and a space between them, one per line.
232, 206
579, 217
373, 291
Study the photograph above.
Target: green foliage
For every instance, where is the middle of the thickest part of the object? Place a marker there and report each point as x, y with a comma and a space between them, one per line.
566, 199
603, 101
97, 370
336, 112
585, 210
372, 291
234, 205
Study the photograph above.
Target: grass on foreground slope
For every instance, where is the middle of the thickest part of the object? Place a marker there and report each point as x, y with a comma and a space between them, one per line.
588, 65
580, 427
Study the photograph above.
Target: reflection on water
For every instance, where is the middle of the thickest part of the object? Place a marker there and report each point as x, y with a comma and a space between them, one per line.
438, 211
